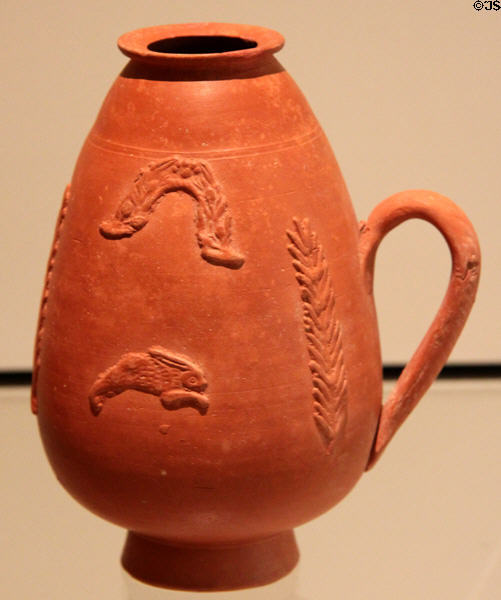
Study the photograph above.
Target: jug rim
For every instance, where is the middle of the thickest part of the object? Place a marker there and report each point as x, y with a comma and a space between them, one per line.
200, 43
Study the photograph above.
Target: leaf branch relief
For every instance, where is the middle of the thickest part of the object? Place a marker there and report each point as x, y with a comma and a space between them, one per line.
322, 331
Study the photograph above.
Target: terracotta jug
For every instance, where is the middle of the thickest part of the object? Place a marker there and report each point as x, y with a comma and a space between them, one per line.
207, 365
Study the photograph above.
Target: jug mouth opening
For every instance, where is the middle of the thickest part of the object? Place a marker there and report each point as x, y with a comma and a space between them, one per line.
200, 44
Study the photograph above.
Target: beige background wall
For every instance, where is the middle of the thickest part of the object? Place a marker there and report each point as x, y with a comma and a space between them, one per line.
408, 94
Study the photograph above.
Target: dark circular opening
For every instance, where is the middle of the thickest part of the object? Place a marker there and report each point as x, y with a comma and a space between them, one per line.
200, 44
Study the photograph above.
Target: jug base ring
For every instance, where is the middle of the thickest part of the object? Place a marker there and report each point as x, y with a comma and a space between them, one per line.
210, 568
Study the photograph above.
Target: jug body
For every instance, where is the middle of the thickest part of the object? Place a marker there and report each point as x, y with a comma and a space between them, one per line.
207, 366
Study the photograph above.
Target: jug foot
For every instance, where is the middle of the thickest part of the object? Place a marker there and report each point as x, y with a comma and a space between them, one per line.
210, 568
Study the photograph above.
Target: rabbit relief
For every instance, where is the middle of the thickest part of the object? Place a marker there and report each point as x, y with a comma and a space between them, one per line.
175, 380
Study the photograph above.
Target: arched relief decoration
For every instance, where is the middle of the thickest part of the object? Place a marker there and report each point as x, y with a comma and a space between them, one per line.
213, 220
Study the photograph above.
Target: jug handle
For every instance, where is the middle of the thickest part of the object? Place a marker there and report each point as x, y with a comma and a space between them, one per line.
433, 351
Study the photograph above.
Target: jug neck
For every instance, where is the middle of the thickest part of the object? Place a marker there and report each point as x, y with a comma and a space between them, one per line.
201, 50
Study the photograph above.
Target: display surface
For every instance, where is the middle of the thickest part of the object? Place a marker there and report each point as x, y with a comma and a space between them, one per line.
209, 270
